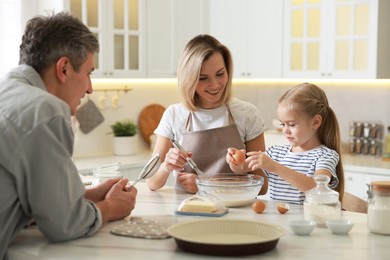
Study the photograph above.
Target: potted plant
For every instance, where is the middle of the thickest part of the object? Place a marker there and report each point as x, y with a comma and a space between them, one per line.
124, 141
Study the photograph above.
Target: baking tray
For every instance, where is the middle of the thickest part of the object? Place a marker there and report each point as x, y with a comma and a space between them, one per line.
226, 237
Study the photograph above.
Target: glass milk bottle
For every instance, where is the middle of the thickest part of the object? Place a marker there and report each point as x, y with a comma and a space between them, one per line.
378, 215
321, 202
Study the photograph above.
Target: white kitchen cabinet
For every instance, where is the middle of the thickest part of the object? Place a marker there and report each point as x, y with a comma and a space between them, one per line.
355, 183
170, 24
336, 39
252, 30
119, 27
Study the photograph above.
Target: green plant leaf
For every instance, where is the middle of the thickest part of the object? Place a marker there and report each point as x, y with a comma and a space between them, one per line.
124, 127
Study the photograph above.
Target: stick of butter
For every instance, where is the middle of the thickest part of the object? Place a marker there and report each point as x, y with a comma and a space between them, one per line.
198, 206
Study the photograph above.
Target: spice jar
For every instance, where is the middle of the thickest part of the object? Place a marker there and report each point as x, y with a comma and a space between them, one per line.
378, 214
321, 202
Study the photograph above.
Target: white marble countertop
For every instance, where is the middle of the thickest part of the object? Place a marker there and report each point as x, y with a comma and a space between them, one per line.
321, 244
366, 164
130, 161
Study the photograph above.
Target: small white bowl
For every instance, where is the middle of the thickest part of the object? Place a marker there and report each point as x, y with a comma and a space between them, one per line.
339, 226
302, 227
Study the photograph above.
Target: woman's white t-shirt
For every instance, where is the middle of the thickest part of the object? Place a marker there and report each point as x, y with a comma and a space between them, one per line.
249, 122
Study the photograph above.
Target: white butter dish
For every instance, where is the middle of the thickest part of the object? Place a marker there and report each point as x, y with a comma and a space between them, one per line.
202, 204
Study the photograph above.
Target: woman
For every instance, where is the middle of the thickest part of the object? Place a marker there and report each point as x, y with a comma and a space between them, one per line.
207, 121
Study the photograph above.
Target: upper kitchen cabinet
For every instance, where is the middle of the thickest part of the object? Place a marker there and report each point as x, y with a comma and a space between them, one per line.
253, 31
336, 39
119, 26
170, 24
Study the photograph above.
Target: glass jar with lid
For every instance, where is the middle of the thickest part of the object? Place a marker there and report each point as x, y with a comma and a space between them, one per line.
378, 214
106, 172
321, 202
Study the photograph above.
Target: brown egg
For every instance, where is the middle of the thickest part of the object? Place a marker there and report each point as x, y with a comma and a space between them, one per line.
258, 206
282, 207
239, 157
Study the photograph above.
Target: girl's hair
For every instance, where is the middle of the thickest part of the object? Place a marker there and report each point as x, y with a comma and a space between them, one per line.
48, 38
197, 51
311, 100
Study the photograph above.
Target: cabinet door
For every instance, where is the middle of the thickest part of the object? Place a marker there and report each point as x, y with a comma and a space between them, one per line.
305, 38
353, 42
126, 45
375, 177
355, 183
160, 36
252, 30
118, 25
264, 38
331, 39
170, 25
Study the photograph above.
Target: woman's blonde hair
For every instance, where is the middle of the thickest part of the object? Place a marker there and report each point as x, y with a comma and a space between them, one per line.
197, 51
311, 100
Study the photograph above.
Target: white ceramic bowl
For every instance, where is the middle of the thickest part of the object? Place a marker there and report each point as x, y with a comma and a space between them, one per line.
302, 227
339, 226
232, 190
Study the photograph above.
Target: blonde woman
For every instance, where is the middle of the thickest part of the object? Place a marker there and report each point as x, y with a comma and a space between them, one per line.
208, 120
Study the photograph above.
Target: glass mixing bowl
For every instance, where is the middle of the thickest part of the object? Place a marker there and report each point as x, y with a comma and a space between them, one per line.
233, 190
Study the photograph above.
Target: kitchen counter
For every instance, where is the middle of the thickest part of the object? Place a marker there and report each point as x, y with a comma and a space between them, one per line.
126, 162
160, 205
366, 164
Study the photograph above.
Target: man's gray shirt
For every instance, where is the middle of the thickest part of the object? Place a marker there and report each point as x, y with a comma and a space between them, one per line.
38, 179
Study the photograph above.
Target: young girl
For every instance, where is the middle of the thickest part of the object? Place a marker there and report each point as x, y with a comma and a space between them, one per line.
312, 131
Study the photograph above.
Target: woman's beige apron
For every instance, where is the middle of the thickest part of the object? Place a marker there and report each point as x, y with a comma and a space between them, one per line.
209, 147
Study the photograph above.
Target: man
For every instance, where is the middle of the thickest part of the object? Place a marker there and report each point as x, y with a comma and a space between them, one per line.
38, 179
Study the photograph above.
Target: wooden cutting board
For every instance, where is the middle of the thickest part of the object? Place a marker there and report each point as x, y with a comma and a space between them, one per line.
148, 120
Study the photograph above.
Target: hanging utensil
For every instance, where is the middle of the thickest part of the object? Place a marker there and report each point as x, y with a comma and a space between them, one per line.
191, 162
148, 171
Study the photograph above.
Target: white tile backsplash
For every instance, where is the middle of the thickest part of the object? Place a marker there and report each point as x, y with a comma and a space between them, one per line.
350, 101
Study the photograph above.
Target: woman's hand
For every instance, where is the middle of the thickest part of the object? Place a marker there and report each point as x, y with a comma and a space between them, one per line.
187, 181
232, 156
175, 160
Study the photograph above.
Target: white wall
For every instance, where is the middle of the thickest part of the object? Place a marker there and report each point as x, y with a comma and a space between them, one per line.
10, 34
365, 101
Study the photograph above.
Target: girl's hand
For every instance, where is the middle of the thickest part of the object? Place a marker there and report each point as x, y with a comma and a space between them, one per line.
259, 160
187, 181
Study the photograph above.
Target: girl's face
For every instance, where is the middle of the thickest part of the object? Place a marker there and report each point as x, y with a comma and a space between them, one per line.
212, 81
299, 129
